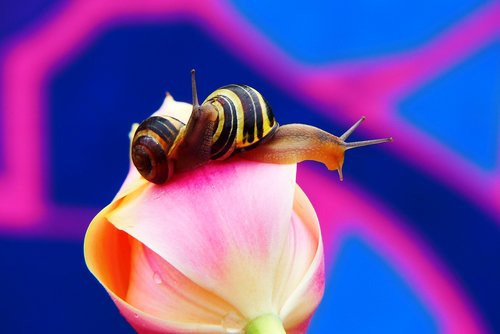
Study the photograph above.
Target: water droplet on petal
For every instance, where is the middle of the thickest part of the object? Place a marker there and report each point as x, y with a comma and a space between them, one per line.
157, 278
231, 323
136, 316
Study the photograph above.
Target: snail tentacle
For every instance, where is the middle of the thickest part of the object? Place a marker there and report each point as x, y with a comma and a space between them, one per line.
294, 143
233, 119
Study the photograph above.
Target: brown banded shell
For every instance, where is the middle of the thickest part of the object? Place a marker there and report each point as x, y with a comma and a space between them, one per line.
151, 144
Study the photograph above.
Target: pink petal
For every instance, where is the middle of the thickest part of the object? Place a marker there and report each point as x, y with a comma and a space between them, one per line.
222, 225
109, 254
211, 249
161, 290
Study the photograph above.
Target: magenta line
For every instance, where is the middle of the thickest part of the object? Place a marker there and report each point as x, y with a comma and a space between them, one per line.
385, 82
242, 39
22, 184
343, 211
375, 87
476, 31
80, 21
68, 223
379, 81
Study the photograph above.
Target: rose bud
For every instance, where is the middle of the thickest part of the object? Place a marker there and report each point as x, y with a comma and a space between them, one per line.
228, 247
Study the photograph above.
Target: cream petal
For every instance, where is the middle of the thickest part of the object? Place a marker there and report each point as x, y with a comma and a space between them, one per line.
160, 290
306, 296
170, 107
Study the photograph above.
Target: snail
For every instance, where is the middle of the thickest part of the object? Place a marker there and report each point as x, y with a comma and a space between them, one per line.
234, 119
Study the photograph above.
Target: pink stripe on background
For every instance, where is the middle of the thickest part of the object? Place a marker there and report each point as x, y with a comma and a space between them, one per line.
352, 89
371, 87
342, 211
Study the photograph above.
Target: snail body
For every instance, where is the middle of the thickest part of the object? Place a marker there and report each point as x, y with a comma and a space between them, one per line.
234, 119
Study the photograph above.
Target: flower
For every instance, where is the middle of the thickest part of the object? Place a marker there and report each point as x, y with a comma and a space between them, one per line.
228, 247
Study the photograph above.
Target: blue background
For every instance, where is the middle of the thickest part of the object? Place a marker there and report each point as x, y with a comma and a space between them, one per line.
121, 77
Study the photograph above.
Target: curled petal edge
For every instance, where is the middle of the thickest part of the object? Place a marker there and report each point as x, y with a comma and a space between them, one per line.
103, 238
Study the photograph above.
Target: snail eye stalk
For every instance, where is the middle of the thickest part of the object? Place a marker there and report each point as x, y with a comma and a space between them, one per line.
237, 119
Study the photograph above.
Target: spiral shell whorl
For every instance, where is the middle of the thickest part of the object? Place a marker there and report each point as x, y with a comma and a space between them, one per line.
152, 141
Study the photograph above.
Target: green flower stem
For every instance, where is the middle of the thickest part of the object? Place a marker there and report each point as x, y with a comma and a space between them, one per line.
265, 324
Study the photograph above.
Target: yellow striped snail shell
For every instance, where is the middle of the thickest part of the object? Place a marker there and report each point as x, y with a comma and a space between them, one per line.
233, 119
